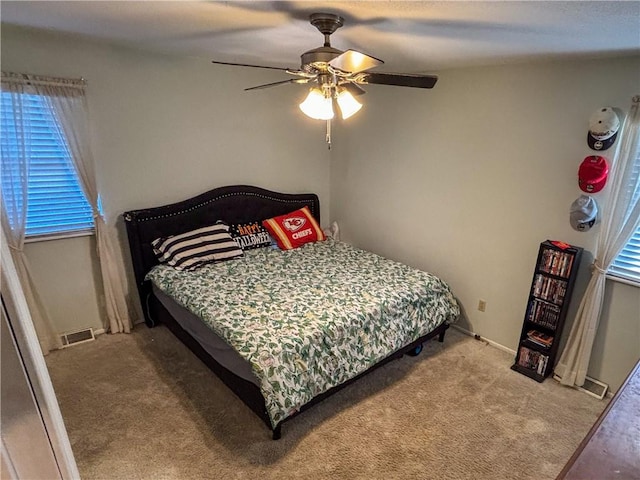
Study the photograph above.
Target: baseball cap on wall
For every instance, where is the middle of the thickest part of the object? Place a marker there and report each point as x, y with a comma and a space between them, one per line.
592, 174
603, 129
583, 213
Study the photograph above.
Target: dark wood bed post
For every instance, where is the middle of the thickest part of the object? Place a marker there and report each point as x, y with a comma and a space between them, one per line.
441, 336
139, 268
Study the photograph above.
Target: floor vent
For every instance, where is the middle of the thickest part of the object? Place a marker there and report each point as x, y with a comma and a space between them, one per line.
594, 388
591, 387
76, 337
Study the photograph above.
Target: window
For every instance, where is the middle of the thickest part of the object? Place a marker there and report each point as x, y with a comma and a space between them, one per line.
55, 202
627, 263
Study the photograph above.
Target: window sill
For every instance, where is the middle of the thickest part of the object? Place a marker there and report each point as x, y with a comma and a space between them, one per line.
59, 236
625, 280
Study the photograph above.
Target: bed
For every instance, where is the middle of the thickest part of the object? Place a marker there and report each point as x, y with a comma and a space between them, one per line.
283, 329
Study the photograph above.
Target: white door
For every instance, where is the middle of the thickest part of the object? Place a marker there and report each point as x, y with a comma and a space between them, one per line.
34, 442
24, 435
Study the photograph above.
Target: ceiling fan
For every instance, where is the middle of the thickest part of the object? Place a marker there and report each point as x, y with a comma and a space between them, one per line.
336, 75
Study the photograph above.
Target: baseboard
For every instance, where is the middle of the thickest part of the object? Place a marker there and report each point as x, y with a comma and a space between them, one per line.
100, 331
490, 342
608, 392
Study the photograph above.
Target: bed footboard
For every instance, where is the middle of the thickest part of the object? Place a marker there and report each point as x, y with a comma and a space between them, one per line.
248, 392
439, 332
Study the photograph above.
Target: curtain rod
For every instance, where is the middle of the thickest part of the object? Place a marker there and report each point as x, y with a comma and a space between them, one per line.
26, 79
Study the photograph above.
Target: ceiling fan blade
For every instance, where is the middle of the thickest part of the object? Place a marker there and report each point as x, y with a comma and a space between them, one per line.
353, 61
252, 66
273, 84
398, 79
302, 73
353, 89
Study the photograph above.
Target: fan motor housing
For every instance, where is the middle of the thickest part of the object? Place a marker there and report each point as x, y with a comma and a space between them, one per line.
324, 55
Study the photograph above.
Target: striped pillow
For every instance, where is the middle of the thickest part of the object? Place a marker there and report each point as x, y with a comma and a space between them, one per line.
196, 248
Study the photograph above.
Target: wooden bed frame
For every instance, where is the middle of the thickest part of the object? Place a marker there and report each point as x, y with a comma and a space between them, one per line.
232, 204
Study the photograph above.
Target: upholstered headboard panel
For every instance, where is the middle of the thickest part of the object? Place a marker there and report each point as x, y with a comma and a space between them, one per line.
232, 204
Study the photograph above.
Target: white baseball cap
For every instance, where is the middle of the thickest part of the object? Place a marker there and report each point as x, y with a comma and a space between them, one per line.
603, 128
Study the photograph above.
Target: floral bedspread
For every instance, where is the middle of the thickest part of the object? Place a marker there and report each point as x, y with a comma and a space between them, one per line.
311, 318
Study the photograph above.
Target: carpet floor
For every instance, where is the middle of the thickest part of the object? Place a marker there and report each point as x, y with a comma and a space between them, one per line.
143, 406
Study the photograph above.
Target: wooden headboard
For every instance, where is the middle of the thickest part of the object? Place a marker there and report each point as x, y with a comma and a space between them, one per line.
231, 204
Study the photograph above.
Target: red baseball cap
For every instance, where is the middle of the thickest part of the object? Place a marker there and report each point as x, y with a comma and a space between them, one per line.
592, 174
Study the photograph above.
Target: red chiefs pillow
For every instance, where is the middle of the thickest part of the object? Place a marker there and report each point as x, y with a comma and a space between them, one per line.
294, 229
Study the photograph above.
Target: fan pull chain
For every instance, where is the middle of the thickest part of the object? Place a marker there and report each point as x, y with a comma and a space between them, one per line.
328, 137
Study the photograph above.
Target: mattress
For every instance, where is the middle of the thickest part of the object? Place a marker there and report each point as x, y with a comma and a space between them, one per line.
311, 318
220, 350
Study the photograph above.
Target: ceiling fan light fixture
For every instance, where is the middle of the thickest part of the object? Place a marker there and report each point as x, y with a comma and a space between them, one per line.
348, 104
317, 105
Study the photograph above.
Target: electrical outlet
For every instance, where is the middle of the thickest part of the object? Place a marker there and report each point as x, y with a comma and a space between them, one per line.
482, 305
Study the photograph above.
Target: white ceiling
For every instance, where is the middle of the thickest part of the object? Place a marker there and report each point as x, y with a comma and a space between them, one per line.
412, 37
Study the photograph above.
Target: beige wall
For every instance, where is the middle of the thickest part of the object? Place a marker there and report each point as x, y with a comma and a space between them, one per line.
164, 128
67, 277
467, 179
464, 180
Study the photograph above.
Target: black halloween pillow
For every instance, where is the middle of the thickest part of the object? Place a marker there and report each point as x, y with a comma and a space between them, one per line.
250, 235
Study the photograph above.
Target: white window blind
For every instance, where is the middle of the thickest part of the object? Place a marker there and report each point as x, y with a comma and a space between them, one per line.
627, 263
56, 204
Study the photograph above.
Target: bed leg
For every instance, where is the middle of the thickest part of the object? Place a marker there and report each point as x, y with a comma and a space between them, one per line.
441, 336
277, 432
147, 314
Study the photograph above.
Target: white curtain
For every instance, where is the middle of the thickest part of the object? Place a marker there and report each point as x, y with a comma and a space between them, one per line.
620, 218
14, 210
67, 100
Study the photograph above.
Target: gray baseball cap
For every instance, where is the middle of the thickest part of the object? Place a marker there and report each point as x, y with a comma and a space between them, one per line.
583, 213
